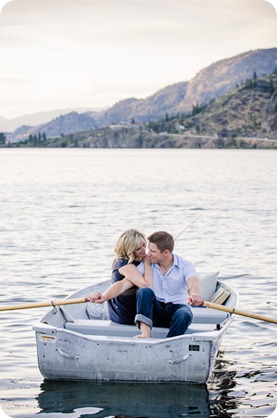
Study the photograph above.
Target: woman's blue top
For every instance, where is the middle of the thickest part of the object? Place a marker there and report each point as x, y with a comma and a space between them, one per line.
122, 309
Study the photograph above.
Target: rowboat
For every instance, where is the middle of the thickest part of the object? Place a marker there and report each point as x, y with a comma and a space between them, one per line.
79, 342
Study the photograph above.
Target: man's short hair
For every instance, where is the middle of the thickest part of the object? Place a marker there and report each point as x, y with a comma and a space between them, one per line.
163, 240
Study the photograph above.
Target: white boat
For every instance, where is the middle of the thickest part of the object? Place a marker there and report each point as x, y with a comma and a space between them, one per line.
74, 344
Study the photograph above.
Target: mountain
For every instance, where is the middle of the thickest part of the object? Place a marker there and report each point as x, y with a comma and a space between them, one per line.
10, 125
210, 83
154, 107
223, 76
66, 124
248, 110
245, 117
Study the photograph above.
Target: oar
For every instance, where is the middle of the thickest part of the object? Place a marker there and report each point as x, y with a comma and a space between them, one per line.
238, 312
43, 304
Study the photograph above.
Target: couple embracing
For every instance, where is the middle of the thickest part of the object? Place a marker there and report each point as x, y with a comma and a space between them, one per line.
151, 289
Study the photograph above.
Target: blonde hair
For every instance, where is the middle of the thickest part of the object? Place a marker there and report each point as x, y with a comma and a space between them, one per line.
127, 244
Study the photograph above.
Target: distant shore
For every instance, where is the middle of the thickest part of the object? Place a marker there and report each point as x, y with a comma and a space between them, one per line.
122, 137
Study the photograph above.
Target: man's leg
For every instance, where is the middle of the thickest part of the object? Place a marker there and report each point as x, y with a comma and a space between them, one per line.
151, 312
144, 317
181, 318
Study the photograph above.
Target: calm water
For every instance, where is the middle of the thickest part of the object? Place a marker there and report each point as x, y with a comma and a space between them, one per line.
61, 213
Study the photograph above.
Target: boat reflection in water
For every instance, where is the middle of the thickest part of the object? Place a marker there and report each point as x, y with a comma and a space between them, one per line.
123, 399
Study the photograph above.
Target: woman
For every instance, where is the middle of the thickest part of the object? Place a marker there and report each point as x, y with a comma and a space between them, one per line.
130, 251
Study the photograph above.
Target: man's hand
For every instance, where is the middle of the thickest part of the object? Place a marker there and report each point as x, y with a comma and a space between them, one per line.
195, 297
195, 300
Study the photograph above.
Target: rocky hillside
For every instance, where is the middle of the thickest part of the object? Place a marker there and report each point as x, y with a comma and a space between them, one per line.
210, 83
154, 107
247, 111
221, 77
246, 117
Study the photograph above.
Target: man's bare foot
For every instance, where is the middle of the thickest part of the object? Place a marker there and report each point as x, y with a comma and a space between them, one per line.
145, 331
142, 336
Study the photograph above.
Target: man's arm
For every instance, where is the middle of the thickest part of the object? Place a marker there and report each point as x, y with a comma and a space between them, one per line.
194, 290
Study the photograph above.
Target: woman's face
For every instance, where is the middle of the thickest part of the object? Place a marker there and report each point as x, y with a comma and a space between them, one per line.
140, 251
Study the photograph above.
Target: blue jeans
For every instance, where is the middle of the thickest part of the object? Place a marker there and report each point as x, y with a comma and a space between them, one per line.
152, 312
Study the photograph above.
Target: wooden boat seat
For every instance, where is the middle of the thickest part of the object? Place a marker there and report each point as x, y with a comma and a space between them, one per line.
203, 320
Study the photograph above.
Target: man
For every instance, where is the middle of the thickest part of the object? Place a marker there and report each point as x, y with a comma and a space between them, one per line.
175, 287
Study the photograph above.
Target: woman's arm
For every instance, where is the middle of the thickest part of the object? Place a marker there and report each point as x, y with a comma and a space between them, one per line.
130, 272
147, 272
132, 277
112, 292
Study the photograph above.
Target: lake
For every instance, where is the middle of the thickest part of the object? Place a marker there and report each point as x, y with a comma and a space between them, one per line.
62, 211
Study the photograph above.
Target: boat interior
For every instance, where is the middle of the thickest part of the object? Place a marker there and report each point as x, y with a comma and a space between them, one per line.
203, 320
93, 319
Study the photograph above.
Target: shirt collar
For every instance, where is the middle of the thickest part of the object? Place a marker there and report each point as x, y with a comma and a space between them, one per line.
175, 262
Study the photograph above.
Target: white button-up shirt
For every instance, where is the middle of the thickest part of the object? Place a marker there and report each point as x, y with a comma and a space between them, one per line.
171, 287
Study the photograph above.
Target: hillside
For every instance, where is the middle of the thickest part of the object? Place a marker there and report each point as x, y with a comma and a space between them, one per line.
154, 107
246, 117
40, 118
247, 111
221, 77
209, 84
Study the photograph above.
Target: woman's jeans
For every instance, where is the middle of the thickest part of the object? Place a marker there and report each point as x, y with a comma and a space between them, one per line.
152, 312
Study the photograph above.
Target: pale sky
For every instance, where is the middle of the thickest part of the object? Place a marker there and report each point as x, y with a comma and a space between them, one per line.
92, 53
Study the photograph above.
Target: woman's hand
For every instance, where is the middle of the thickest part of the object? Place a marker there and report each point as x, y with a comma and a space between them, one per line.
146, 259
97, 297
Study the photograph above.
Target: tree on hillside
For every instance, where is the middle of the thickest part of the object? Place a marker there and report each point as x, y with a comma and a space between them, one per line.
2, 139
255, 79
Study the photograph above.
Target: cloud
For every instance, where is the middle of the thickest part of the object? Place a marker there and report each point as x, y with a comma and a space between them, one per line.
96, 52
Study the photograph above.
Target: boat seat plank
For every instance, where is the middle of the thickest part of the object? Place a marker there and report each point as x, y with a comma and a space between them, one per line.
202, 315
107, 327
203, 320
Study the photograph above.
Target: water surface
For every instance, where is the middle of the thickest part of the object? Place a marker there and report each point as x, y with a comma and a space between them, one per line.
61, 213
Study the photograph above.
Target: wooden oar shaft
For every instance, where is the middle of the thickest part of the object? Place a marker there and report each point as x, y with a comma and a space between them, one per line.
239, 312
43, 304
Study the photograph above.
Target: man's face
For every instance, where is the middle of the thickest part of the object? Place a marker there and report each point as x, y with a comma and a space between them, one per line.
154, 254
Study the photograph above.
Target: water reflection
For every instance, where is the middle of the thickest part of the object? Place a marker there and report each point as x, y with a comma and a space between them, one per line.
134, 400
221, 386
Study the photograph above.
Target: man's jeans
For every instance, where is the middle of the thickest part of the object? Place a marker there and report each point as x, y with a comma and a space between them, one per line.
155, 313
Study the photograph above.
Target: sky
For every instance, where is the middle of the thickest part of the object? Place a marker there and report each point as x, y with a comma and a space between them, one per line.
57, 54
